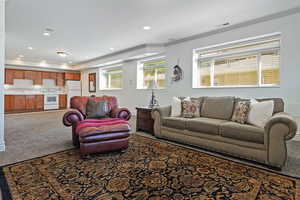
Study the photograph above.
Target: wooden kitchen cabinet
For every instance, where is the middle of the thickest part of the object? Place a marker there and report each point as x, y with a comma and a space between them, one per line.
30, 103
72, 76
46, 75
39, 100
53, 75
19, 103
23, 103
60, 79
62, 101
29, 75
38, 80
19, 74
8, 103
9, 76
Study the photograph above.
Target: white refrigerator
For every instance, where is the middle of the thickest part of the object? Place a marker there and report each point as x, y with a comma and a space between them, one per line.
73, 88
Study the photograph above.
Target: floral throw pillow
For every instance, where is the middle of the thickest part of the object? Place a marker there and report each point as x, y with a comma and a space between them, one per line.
190, 108
241, 112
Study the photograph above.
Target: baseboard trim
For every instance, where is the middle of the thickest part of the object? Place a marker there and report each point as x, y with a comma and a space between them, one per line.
2, 147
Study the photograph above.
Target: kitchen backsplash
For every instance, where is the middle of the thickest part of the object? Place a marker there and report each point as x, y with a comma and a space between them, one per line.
22, 86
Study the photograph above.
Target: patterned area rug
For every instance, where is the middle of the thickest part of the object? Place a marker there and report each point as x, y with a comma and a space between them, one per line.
149, 169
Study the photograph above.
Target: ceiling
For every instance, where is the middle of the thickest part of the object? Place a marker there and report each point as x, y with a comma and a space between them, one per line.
88, 29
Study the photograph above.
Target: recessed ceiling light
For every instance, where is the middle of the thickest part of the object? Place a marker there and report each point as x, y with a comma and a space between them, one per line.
146, 27
30, 48
62, 54
21, 56
112, 49
48, 32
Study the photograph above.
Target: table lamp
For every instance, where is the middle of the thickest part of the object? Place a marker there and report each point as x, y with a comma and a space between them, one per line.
153, 101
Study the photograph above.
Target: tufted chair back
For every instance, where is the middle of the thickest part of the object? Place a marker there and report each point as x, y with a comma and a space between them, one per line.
80, 102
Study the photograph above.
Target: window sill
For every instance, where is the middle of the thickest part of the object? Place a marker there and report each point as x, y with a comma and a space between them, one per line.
228, 87
150, 89
113, 89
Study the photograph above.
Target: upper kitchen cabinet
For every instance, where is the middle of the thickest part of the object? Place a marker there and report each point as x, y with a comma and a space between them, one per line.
29, 75
46, 75
53, 75
19, 74
38, 80
60, 79
9, 76
72, 76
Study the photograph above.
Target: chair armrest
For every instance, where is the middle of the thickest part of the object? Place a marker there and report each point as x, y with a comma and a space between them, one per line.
122, 113
72, 117
164, 111
287, 122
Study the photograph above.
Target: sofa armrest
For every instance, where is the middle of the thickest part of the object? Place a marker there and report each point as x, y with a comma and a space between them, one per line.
72, 117
163, 111
157, 115
287, 124
122, 113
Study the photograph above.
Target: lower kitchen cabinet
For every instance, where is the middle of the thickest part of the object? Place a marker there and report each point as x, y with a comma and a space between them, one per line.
23, 103
39, 102
19, 103
30, 102
9, 103
62, 101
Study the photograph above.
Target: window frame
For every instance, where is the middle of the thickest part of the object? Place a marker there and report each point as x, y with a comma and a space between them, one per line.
102, 78
140, 73
256, 51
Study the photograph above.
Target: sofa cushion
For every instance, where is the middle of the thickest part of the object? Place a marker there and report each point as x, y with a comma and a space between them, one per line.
174, 122
217, 107
242, 132
204, 125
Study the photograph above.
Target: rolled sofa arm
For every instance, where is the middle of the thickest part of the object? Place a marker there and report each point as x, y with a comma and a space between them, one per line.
285, 120
278, 129
164, 111
122, 113
157, 115
72, 117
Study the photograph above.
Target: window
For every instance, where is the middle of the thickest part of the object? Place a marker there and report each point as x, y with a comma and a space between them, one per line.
111, 78
151, 70
253, 62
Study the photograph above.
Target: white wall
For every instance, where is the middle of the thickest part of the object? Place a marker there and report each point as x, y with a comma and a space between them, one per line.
290, 68
2, 57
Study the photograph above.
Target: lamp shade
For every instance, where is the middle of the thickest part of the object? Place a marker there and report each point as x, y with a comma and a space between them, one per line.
152, 85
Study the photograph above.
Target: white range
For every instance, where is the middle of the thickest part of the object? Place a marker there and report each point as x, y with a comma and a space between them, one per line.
51, 101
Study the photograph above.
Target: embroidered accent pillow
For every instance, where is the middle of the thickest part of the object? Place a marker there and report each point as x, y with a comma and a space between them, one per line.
191, 108
241, 112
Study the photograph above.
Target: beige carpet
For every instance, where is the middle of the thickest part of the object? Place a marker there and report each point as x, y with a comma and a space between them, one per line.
33, 135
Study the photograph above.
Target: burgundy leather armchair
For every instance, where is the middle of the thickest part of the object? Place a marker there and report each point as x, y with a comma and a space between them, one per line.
78, 112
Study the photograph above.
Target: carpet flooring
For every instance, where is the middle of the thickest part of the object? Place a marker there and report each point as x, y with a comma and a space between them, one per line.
33, 135
149, 169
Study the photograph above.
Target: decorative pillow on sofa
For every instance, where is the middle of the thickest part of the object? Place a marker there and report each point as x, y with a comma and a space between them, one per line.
241, 112
176, 107
260, 112
97, 109
191, 108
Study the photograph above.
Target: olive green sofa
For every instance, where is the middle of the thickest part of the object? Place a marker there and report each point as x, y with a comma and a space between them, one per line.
213, 130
